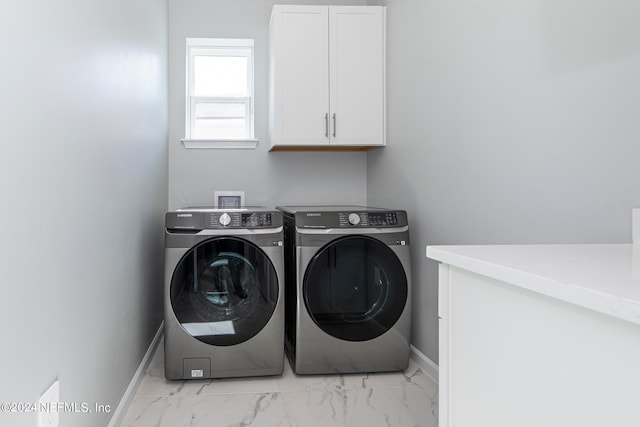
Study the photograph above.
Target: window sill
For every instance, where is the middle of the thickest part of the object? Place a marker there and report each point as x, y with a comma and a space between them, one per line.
221, 144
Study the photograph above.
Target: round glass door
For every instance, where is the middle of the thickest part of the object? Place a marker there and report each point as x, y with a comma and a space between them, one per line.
224, 291
355, 288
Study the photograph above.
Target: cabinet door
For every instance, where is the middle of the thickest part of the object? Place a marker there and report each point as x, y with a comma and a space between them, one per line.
299, 75
357, 74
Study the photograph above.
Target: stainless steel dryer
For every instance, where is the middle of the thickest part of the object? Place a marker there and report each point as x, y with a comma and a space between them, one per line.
223, 293
348, 289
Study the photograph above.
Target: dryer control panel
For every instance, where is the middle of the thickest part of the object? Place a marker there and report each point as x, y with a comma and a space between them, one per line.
368, 219
351, 219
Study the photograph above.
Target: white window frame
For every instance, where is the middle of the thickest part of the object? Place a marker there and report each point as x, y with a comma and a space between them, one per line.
219, 47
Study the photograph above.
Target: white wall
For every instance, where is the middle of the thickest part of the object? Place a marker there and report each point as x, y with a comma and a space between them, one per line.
508, 122
83, 187
268, 178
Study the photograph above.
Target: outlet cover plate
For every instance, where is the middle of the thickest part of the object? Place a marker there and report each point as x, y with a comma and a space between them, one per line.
48, 415
229, 199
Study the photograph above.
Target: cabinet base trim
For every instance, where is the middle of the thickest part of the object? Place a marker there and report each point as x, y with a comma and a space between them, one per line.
323, 148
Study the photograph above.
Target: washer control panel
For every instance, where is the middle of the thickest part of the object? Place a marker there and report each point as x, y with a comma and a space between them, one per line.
189, 219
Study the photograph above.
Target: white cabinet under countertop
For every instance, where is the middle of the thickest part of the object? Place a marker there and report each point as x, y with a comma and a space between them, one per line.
539, 335
327, 77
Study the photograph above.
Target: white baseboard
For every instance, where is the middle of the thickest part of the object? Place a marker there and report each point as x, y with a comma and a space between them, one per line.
121, 410
426, 364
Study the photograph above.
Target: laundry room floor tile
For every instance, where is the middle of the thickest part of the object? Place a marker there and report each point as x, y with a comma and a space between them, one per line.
408, 398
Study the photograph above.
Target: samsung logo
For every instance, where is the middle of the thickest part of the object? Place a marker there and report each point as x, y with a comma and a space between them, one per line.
313, 214
185, 215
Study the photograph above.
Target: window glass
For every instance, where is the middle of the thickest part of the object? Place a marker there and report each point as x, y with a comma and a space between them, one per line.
220, 120
220, 76
219, 101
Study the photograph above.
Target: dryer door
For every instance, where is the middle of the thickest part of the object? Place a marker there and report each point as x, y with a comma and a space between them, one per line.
355, 288
224, 291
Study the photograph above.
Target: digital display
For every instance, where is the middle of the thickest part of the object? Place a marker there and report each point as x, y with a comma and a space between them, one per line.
383, 218
256, 220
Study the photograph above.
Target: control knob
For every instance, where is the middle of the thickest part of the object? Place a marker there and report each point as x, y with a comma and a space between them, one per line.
225, 219
354, 219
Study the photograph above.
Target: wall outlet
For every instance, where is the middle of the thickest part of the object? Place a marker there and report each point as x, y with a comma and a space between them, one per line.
229, 199
48, 415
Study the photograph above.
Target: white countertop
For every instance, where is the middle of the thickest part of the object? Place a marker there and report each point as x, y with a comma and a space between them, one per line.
600, 277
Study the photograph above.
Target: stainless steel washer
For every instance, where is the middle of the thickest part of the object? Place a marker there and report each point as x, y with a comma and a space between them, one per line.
224, 287
348, 289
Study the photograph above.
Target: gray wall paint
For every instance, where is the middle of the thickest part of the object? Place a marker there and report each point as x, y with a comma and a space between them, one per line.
508, 122
83, 185
268, 178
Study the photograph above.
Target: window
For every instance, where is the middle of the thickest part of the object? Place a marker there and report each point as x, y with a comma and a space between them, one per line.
219, 102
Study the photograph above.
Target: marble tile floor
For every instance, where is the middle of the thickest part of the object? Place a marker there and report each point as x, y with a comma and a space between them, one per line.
397, 399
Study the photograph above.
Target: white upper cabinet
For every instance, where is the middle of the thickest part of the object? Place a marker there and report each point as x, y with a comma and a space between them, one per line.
327, 77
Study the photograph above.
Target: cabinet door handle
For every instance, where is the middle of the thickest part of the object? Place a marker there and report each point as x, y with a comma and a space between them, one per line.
326, 125
334, 125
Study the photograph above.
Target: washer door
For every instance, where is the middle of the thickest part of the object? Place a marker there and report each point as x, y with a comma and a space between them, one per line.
355, 288
224, 291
